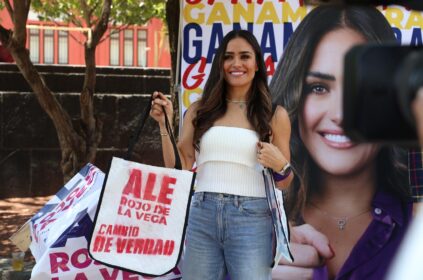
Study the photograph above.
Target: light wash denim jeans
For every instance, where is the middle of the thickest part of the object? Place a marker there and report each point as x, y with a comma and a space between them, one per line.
228, 234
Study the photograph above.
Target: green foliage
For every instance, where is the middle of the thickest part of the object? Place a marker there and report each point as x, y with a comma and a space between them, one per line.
136, 11
1, 8
122, 11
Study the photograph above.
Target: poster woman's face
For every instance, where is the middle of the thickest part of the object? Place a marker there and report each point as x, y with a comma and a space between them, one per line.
321, 117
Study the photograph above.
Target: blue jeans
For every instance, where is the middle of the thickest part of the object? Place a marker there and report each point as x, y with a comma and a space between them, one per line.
228, 234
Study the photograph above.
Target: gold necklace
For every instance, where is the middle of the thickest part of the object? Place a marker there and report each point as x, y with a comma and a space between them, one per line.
241, 103
341, 222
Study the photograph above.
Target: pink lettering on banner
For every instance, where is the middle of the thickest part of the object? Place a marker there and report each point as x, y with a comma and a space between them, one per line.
66, 203
90, 176
59, 261
134, 187
270, 65
115, 273
81, 276
149, 187
198, 76
145, 246
107, 276
102, 244
155, 219
146, 202
80, 259
118, 229
166, 190
129, 276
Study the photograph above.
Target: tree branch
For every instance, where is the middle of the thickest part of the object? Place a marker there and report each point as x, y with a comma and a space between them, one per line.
70, 33
91, 12
101, 26
20, 18
74, 20
9, 9
114, 30
88, 119
85, 12
5, 36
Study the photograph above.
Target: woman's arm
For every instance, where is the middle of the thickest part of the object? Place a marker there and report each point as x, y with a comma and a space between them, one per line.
185, 143
185, 147
276, 154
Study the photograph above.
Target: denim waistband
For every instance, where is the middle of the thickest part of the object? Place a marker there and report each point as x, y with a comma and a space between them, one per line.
224, 197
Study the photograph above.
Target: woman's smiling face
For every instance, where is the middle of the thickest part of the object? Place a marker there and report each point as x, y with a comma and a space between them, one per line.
321, 115
239, 64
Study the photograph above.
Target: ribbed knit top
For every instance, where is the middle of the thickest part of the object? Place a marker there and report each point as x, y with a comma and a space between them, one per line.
227, 162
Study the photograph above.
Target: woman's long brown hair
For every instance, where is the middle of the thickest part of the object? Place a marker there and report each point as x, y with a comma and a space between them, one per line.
212, 104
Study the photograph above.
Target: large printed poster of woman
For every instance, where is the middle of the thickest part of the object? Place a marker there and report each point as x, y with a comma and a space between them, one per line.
356, 194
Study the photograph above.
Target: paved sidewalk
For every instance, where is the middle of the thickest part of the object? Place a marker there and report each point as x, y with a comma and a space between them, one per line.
7, 273
14, 212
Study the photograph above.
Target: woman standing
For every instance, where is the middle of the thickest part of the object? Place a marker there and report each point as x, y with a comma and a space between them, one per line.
225, 133
355, 194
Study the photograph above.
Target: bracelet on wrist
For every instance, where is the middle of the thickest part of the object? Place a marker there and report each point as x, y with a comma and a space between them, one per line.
283, 173
278, 177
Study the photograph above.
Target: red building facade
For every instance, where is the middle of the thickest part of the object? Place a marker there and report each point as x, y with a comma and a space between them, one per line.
133, 46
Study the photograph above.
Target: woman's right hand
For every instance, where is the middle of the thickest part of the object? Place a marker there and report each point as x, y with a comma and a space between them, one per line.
156, 112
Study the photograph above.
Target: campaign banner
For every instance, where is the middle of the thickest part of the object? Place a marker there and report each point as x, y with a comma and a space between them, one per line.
205, 23
60, 232
141, 218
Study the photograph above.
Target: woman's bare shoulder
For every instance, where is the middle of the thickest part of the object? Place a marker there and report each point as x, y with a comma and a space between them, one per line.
280, 116
192, 110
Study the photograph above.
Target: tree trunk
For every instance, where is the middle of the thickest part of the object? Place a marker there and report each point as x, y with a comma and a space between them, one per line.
71, 143
172, 19
78, 143
90, 125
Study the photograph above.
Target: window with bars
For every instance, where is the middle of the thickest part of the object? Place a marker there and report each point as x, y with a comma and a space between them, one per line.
142, 48
48, 46
63, 53
114, 47
34, 45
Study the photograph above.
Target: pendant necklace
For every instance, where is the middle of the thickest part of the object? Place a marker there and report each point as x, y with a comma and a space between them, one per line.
341, 222
241, 103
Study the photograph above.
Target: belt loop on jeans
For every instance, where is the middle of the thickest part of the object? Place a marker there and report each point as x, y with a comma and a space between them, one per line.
236, 200
201, 196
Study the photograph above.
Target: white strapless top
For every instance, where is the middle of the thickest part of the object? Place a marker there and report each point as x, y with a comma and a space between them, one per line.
227, 162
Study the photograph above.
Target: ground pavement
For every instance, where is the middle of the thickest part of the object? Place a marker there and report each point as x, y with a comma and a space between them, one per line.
14, 212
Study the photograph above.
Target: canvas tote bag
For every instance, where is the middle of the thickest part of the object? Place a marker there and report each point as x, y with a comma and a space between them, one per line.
142, 215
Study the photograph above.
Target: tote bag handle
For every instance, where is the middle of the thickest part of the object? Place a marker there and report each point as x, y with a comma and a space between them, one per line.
135, 137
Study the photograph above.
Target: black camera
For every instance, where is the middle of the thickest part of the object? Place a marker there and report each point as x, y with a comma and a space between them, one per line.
380, 83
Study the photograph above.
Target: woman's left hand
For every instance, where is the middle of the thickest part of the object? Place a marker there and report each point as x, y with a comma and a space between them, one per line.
270, 156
